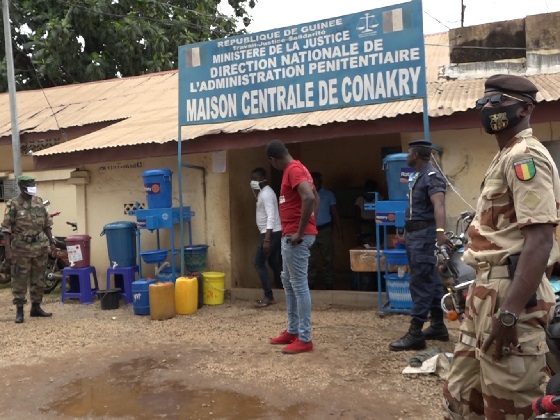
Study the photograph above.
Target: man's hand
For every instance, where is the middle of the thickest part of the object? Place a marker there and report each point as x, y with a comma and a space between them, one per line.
266, 247
443, 239
505, 339
294, 239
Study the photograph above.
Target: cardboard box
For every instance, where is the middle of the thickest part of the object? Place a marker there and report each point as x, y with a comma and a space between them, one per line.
364, 260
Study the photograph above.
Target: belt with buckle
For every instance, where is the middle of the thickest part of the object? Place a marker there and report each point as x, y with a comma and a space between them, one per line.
29, 239
494, 271
414, 225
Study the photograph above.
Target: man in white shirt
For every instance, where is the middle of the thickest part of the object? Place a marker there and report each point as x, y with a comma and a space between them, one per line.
268, 223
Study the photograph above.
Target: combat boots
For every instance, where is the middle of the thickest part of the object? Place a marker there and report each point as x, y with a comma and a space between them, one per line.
37, 311
437, 329
412, 340
19, 314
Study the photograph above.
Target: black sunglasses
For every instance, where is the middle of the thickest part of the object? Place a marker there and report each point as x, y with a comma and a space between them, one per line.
495, 100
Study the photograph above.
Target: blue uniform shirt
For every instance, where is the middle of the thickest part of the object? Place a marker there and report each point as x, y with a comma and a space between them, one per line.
422, 186
326, 200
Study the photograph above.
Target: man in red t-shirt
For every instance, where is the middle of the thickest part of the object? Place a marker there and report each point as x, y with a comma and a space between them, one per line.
299, 202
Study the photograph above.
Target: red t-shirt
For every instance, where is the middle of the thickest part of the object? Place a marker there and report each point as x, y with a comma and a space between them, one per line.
290, 201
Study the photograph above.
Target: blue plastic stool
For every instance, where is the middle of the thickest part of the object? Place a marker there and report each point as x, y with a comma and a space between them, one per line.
85, 293
127, 276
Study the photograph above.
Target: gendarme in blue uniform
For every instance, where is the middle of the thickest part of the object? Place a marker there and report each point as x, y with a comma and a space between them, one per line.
426, 288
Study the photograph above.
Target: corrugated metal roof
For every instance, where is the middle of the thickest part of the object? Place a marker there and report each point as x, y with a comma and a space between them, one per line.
145, 108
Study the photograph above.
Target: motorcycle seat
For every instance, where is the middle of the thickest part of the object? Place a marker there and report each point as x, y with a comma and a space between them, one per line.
60, 242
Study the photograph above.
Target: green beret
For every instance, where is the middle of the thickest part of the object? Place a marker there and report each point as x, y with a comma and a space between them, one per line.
512, 84
25, 178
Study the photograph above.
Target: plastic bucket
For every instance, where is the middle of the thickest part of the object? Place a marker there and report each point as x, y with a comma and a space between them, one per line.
141, 296
79, 250
397, 172
157, 185
398, 290
167, 275
213, 287
195, 258
109, 298
121, 243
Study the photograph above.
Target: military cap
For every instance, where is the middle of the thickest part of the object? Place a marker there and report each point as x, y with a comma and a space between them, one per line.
420, 143
25, 178
512, 84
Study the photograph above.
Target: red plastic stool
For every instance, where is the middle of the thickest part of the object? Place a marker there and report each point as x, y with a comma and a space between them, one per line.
86, 293
124, 276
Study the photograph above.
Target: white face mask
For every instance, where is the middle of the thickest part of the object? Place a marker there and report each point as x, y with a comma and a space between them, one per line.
31, 190
255, 185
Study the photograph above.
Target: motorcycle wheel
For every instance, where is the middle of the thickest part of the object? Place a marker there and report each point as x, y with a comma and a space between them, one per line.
52, 267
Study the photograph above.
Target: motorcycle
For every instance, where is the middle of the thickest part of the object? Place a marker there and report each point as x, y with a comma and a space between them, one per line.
456, 275
57, 260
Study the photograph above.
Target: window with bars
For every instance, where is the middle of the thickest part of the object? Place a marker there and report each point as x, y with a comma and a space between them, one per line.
8, 189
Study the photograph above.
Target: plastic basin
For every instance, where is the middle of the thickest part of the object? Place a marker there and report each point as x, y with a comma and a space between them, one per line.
396, 256
154, 257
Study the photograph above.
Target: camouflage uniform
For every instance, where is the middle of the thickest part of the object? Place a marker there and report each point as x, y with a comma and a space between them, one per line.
477, 385
26, 220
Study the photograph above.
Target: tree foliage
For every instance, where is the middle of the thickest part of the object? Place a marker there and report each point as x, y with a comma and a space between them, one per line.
60, 42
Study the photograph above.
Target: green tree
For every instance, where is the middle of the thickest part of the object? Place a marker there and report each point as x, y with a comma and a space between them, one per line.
60, 42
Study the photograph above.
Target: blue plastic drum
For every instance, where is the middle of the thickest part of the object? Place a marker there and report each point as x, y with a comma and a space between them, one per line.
397, 172
157, 185
141, 296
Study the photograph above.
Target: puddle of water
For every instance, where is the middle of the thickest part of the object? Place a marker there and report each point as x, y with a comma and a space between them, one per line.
132, 390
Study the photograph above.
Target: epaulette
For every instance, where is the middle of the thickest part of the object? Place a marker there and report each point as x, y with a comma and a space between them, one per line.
432, 173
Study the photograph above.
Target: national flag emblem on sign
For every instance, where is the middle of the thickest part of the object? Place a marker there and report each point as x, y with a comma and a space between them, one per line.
525, 169
397, 19
192, 57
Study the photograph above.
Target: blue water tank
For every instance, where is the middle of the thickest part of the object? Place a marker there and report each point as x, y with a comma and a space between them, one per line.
141, 296
121, 243
397, 172
157, 185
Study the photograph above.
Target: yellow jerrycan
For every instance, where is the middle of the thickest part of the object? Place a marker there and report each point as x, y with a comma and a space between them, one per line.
186, 295
162, 300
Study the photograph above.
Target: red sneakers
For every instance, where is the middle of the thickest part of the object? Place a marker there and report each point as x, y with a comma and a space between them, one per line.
298, 347
284, 338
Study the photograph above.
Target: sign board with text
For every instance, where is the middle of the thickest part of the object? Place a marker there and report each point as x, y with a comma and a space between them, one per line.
360, 59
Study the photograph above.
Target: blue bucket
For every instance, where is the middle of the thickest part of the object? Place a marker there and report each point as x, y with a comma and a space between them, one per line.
121, 243
157, 185
167, 275
398, 289
141, 296
397, 172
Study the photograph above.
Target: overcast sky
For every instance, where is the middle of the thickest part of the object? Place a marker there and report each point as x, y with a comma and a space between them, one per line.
439, 15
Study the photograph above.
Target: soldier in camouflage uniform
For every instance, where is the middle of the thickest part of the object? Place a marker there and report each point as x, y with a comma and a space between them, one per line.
27, 232
499, 361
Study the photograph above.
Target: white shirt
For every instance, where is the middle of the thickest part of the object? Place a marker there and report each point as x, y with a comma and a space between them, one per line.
268, 216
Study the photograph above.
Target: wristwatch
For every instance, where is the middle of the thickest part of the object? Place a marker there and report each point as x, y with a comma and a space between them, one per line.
507, 318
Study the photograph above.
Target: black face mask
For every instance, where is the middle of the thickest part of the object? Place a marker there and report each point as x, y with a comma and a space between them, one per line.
495, 120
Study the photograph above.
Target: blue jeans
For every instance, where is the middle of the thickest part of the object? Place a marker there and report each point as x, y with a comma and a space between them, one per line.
295, 261
273, 262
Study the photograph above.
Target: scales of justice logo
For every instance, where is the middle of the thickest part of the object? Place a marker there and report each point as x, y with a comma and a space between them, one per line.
367, 25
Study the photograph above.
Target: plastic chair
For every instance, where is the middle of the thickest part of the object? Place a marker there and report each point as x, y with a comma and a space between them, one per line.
124, 275
86, 292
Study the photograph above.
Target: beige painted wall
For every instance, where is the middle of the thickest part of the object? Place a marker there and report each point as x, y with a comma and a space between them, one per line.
113, 187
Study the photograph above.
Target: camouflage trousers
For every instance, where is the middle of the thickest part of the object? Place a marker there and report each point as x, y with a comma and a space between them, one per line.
28, 270
480, 387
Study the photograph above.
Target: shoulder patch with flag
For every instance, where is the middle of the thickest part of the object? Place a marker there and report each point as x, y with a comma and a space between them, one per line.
525, 169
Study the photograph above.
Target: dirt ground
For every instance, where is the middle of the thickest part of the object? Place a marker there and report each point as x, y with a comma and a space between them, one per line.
86, 362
